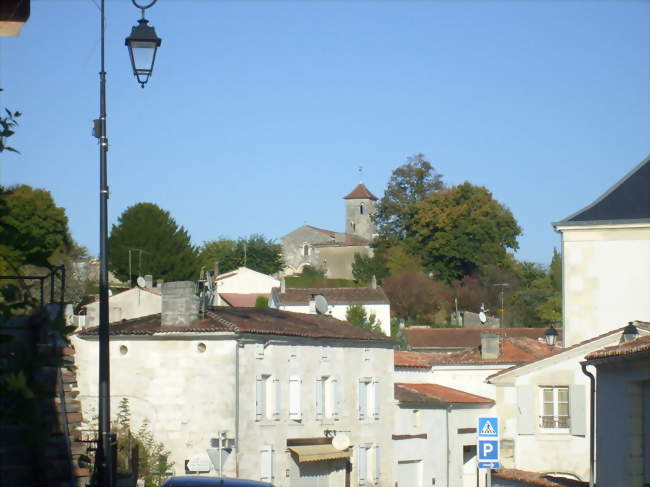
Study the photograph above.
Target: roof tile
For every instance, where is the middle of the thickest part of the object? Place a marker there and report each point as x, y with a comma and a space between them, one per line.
360, 192
640, 345
436, 394
334, 295
421, 337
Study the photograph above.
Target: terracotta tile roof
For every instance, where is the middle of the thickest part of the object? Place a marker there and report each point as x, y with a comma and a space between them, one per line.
513, 351
347, 240
334, 295
241, 299
558, 350
266, 321
360, 192
421, 337
417, 360
329, 233
536, 479
640, 345
436, 394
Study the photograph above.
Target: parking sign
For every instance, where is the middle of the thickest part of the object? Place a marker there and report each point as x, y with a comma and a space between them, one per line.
487, 431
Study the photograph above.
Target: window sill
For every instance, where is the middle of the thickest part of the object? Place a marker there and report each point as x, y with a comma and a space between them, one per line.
555, 431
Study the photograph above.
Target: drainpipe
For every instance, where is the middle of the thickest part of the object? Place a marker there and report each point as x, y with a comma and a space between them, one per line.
592, 407
237, 408
448, 410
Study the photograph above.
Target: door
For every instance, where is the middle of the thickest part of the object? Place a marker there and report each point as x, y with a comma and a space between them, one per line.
409, 473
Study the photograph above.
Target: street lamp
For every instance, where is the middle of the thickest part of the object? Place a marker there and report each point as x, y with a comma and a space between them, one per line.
104, 457
143, 44
550, 335
630, 332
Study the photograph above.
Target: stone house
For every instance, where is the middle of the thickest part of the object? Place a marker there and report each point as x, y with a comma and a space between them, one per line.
330, 250
622, 419
605, 259
275, 386
302, 300
544, 409
242, 287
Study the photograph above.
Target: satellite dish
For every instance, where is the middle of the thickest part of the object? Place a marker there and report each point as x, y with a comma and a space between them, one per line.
341, 442
482, 317
321, 304
141, 282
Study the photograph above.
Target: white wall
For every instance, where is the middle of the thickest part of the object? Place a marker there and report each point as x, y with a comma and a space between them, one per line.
605, 277
338, 311
134, 303
247, 281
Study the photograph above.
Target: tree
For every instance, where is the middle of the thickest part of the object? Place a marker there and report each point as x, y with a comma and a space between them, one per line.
165, 247
458, 229
7, 126
255, 252
413, 296
356, 314
366, 266
409, 183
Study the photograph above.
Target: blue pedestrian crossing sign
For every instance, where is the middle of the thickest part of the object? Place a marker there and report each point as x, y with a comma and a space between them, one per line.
487, 431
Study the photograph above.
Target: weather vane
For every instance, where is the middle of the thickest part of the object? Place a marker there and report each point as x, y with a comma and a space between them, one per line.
360, 174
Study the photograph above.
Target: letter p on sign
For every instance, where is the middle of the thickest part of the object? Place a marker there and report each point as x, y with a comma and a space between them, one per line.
488, 450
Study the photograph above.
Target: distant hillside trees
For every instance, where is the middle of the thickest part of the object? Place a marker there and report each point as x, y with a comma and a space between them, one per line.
164, 248
255, 252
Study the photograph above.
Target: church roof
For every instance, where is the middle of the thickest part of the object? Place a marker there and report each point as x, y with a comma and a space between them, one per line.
360, 193
628, 201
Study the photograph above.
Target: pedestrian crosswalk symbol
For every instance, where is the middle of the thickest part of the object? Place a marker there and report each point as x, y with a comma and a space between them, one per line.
488, 430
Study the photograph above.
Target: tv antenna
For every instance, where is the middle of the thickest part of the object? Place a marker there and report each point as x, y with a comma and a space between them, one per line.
139, 262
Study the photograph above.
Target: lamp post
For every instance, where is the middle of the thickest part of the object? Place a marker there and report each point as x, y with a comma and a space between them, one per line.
104, 457
143, 43
630, 332
550, 335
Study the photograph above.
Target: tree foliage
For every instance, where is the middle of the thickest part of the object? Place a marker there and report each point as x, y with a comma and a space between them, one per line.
8, 125
415, 297
409, 183
255, 252
356, 314
167, 252
366, 266
461, 228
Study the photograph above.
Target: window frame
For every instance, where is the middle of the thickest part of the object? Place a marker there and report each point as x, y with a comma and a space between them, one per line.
556, 425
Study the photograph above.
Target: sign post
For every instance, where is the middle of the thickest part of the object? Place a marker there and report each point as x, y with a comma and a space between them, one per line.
488, 442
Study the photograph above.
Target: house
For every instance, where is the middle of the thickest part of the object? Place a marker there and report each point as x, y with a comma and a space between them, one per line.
330, 250
605, 259
126, 305
426, 339
544, 409
242, 287
439, 398
286, 392
303, 300
622, 418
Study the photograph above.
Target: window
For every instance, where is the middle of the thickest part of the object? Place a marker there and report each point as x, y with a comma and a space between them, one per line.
325, 352
266, 463
267, 398
295, 411
353, 226
369, 398
259, 351
327, 397
555, 407
368, 464
305, 250
362, 209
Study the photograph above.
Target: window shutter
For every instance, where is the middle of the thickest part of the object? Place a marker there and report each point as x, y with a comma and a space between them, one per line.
319, 397
295, 411
278, 396
266, 463
577, 409
336, 396
259, 350
362, 399
361, 467
527, 398
377, 464
376, 397
260, 405
325, 352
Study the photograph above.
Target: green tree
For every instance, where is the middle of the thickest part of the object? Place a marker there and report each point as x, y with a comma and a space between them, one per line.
255, 252
365, 266
8, 125
458, 229
416, 298
408, 184
356, 314
167, 252
261, 302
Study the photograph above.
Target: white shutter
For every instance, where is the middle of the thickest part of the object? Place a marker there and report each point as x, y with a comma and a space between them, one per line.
377, 464
260, 399
295, 411
336, 397
266, 463
278, 395
577, 409
259, 350
325, 352
527, 399
362, 464
377, 398
362, 399
319, 397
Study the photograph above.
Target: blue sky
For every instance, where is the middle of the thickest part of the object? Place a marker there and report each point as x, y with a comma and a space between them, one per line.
259, 113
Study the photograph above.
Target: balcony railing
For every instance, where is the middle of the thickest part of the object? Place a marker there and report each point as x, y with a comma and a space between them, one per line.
554, 422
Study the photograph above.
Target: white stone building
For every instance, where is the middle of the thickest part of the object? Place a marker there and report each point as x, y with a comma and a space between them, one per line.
606, 258
242, 286
278, 386
126, 305
302, 300
622, 414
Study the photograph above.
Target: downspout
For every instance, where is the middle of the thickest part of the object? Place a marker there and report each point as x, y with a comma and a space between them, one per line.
448, 410
237, 408
592, 407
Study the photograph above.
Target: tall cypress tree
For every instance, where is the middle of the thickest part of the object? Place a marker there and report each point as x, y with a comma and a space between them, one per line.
158, 245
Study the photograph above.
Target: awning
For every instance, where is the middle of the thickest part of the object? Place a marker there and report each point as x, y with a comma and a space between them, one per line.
315, 453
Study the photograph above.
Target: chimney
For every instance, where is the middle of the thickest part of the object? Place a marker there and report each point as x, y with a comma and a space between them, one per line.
180, 304
489, 345
283, 285
148, 281
373, 282
312, 304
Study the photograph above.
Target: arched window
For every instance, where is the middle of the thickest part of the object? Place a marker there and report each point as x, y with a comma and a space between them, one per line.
362, 209
305, 250
354, 227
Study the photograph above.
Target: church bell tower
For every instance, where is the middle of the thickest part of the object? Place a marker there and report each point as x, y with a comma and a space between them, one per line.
360, 205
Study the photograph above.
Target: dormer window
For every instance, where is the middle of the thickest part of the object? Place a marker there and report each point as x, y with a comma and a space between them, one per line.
362, 209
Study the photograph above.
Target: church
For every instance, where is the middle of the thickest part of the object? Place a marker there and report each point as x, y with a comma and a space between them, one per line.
330, 250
